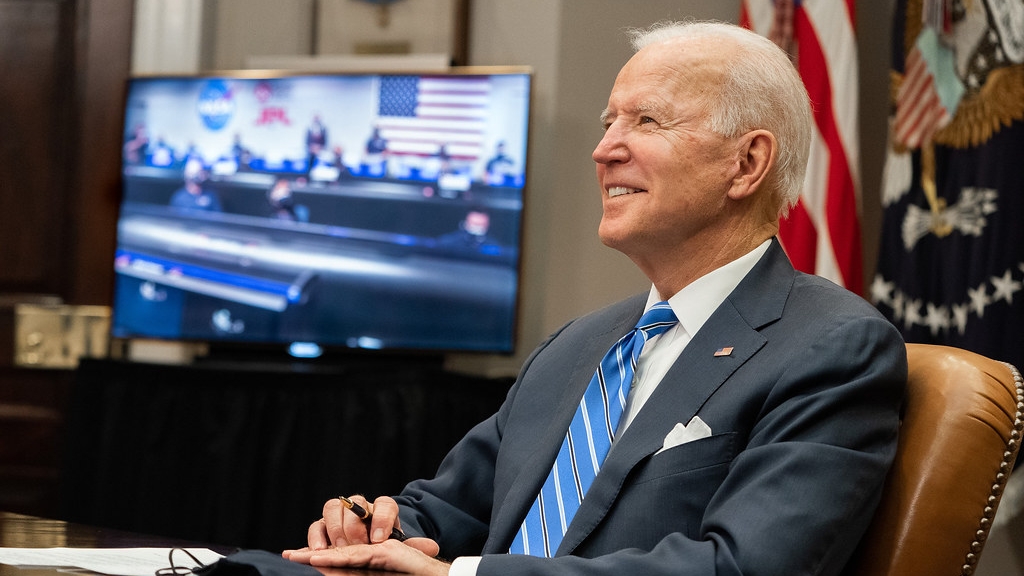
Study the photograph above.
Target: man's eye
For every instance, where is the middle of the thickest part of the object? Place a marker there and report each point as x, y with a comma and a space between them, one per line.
647, 120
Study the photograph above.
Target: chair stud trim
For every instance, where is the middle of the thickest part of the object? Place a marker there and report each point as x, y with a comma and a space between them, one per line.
985, 524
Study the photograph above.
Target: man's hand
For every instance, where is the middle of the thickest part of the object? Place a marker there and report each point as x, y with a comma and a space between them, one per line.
414, 556
340, 527
342, 539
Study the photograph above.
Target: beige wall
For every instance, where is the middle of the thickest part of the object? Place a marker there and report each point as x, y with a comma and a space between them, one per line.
575, 48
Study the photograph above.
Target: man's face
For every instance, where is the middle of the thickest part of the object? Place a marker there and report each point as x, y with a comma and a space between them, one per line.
663, 176
280, 191
477, 223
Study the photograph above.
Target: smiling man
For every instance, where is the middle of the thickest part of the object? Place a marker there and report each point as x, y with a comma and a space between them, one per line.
737, 419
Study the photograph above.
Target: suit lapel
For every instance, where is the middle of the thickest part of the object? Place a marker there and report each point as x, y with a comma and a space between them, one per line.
693, 378
550, 434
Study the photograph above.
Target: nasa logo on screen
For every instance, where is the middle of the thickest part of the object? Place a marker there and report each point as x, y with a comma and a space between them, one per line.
216, 104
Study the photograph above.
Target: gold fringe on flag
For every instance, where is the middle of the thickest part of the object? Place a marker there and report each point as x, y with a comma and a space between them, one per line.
980, 115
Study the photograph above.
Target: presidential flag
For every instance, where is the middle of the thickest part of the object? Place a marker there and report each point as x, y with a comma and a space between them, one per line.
951, 264
418, 115
821, 235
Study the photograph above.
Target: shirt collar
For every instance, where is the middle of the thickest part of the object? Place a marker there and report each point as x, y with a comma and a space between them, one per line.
695, 303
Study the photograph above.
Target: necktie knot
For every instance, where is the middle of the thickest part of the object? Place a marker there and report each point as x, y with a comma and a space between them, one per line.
656, 320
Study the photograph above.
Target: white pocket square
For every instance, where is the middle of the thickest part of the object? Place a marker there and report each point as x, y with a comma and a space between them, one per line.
681, 434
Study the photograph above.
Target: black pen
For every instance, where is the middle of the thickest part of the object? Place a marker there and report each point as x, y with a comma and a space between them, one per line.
358, 510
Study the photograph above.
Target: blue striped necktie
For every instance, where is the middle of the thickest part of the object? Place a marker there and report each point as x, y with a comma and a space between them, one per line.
588, 439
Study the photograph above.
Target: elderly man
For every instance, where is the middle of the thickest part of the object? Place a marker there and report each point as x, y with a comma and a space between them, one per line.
750, 434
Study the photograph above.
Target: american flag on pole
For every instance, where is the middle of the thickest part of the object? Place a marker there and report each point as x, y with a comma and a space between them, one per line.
930, 91
419, 114
821, 235
951, 259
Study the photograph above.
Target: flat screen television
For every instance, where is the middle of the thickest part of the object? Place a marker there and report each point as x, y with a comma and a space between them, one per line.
347, 211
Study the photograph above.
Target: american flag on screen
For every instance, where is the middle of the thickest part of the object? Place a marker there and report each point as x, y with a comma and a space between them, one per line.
822, 233
419, 114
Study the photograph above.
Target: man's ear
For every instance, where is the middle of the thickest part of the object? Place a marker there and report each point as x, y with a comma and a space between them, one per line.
757, 155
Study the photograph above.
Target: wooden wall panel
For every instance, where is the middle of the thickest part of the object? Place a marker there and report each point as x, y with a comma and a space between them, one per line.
35, 142
63, 64
104, 63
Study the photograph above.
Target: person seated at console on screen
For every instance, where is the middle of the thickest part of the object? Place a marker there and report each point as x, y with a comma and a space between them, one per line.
193, 195
437, 165
316, 142
192, 153
473, 237
282, 203
338, 161
328, 168
499, 166
444, 158
375, 153
241, 154
163, 154
136, 145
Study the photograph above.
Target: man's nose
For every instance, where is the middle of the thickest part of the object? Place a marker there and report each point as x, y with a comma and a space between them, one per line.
612, 147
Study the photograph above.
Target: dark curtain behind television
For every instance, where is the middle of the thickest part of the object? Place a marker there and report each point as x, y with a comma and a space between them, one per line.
247, 458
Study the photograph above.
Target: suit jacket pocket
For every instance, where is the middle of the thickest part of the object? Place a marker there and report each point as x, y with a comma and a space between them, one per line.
692, 456
669, 492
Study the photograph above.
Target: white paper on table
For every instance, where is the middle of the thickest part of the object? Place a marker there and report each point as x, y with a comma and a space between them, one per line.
112, 561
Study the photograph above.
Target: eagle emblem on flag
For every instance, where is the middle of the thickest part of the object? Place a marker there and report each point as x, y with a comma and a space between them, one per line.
951, 261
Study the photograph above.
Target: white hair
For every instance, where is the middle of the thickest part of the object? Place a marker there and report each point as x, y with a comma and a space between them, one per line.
760, 90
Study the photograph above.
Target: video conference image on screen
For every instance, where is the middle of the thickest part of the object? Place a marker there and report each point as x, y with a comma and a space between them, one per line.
359, 211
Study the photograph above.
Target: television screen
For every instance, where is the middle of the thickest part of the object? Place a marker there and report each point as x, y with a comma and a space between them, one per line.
369, 211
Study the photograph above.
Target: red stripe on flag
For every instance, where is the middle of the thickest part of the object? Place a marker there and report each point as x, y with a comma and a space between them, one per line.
799, 238
841, 210
919, 111
797, 232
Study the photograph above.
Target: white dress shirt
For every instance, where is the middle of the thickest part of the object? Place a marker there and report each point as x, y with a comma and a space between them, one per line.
692, 305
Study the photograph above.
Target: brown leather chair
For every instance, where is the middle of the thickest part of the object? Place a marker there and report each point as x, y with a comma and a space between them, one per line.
959, 438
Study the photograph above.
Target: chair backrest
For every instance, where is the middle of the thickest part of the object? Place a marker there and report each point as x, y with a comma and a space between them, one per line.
959, 438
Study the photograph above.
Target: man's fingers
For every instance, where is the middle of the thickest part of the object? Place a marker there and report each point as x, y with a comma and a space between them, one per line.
425, 545
317, 537
340, 526
354, 529
385, 517
333, 525
301, 555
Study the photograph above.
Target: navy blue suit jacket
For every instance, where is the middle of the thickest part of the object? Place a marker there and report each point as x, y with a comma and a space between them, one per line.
803, 412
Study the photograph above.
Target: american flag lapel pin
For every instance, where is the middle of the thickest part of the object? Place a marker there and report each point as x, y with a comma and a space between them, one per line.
724, 351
